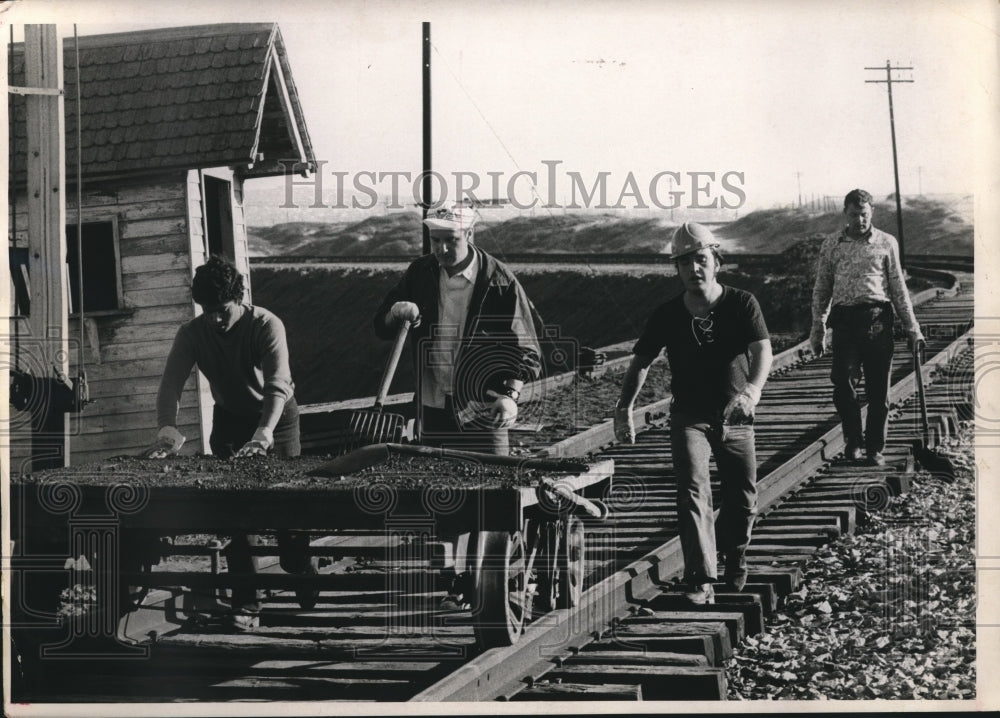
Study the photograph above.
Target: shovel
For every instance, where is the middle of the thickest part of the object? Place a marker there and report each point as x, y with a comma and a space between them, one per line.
930, 459
371, 455
374, 426
919, 373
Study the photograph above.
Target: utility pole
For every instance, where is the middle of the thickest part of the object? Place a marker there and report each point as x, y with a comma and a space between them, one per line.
798, 178
46, 171
670, 181
895, 164
425, 199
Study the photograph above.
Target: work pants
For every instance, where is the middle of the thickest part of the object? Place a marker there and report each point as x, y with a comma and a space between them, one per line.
229, 433
440, 427
862, 344
693, 441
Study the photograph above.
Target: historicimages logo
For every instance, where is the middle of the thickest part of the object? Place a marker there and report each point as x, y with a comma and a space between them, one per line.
562, 188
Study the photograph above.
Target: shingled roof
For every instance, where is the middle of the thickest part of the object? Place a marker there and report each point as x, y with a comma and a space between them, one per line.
178, 98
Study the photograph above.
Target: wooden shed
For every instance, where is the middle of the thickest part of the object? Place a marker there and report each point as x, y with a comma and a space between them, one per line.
172, 123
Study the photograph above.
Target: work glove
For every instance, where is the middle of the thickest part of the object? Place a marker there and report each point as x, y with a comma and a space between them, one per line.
741, 406
624, 425
168, 441
817, 339
405, 311
503, 410
263, 439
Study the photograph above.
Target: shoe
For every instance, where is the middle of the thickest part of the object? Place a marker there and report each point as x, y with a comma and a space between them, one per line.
702, 595
453, 602
736, 570
852, 452
876, 459
243, 622
307, 596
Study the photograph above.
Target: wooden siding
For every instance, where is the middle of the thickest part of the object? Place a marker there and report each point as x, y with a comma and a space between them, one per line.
161, 241
156, 277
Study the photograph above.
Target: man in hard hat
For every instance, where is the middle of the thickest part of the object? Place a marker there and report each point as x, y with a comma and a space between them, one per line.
719, 352
473, 340
859, 273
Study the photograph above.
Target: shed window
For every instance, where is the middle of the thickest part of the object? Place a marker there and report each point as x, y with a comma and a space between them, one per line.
101, 267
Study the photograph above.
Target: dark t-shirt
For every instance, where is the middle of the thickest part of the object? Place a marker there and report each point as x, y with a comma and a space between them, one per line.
709, 358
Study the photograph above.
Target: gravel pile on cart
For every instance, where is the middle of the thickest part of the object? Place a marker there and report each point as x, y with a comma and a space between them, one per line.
261, 472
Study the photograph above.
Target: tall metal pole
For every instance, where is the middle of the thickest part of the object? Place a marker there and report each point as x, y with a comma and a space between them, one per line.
895, 164
425, 199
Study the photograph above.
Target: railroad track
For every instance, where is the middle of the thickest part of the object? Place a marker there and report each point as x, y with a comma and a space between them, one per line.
380, 633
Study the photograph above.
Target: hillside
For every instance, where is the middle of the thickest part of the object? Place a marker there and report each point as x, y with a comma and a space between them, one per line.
931, 226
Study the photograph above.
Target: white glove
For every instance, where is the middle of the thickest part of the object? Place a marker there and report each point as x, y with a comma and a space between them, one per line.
405, 311
817, 339
624, 425
742, 405
503, 409
263, 439
169, 438
168, 441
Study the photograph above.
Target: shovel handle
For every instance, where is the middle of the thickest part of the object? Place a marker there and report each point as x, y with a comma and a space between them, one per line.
523, 462
918, 372
390, 367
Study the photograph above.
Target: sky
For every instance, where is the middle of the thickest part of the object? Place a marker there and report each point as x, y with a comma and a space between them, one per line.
750, 104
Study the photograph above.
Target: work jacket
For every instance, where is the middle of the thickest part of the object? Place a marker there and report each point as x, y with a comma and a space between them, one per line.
498, 341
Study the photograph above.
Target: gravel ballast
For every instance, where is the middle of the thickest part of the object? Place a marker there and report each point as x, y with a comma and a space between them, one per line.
886, 613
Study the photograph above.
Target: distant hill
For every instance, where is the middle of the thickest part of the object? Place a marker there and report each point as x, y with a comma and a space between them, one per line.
931, 226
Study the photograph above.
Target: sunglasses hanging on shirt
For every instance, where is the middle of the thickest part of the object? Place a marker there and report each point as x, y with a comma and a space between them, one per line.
701, 328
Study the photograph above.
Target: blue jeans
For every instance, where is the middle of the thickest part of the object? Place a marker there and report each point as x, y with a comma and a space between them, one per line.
862, 342
693, 441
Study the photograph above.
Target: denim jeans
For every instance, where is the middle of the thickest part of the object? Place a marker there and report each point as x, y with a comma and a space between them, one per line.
693, 441
862, 343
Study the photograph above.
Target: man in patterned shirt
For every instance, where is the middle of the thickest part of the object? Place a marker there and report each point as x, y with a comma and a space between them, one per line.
859, 273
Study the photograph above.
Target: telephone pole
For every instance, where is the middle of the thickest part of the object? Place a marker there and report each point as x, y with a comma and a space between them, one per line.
425, 195
895, 164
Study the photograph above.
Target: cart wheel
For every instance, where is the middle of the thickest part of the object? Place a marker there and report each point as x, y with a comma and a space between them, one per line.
502, 589
571, 564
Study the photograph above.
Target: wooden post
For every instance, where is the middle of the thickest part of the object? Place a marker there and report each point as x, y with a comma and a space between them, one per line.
46, 163
6, 300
